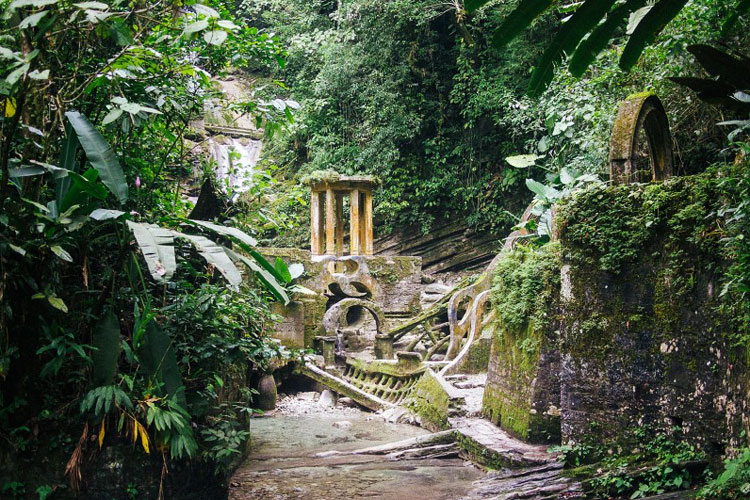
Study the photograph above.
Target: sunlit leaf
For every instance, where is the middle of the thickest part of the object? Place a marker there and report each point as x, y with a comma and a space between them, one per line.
157, 246
215, 37
522, 161
113, 115
61, 252
32, 20
197, 26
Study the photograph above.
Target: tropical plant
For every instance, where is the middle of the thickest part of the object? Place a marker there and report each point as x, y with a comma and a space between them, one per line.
587, 29
728, 87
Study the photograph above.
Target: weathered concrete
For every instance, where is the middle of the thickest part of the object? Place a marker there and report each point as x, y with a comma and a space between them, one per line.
392, 284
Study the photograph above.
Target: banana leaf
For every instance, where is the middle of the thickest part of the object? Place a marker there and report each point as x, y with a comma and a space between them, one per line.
106, 339
157, 246
100, 154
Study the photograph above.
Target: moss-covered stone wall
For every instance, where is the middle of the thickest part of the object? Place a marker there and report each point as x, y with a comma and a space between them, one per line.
648, 337
522, 393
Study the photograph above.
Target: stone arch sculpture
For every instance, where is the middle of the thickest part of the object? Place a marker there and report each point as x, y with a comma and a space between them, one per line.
640, 113
346, 321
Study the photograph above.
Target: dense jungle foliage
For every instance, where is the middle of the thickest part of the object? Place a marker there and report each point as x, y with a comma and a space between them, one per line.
120, 317
415, 92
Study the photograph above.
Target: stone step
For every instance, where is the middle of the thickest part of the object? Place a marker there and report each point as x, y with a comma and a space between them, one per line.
487, 444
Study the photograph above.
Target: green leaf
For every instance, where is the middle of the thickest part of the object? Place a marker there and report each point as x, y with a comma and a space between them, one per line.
16, 74
100, 155
17, 249
537, 188
158, 359
651, 24
17, 4
589, 48
92, 5
39, 75
60, 252
565, 176
518, 20
473, 5
105, 338
26, 171
226, 231
57, 303
227, 24
282, 269
728, 69
32, 20
131, 107
215, 37
83, 186
265, 277
522, 161
66, 161
214, 255
101, 214
113, 115
196, 26
585, 18
205, 10
157, 246
296, 270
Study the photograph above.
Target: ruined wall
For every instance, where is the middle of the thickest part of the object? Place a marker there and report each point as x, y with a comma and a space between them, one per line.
647, 335
522, 393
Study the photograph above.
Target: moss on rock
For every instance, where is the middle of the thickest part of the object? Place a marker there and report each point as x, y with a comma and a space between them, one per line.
522, 391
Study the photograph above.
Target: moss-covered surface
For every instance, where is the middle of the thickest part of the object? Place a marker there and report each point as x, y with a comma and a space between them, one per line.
522, 392
648, 336
430, 401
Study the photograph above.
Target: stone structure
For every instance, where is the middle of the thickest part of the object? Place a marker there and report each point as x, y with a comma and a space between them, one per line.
357, 296
640, 115
327, 215
388, 286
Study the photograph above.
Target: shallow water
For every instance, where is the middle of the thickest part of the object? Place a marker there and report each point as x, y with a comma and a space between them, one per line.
282, 463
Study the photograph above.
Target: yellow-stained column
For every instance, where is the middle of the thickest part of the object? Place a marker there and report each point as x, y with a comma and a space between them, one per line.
316, 223
339, 224
330, 222
368, 223
354, 222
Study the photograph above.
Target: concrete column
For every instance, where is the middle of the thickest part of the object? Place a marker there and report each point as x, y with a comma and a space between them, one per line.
368, 243
354, 222
316, 223
339, 224
330, 222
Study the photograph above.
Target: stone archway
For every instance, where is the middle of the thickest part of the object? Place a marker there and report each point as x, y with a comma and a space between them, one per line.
641, 144
349, 317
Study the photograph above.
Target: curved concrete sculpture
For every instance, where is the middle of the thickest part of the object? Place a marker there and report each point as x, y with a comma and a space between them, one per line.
334, 316
640, 112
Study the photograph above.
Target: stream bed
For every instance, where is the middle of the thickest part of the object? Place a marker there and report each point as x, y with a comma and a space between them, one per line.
282, 462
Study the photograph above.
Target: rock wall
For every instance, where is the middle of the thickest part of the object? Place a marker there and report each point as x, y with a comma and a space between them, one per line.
647, 335
522, 393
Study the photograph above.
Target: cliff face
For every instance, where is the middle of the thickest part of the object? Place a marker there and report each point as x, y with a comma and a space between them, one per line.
449, 249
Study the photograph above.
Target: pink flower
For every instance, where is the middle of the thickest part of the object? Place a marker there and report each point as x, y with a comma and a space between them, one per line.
138, 182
